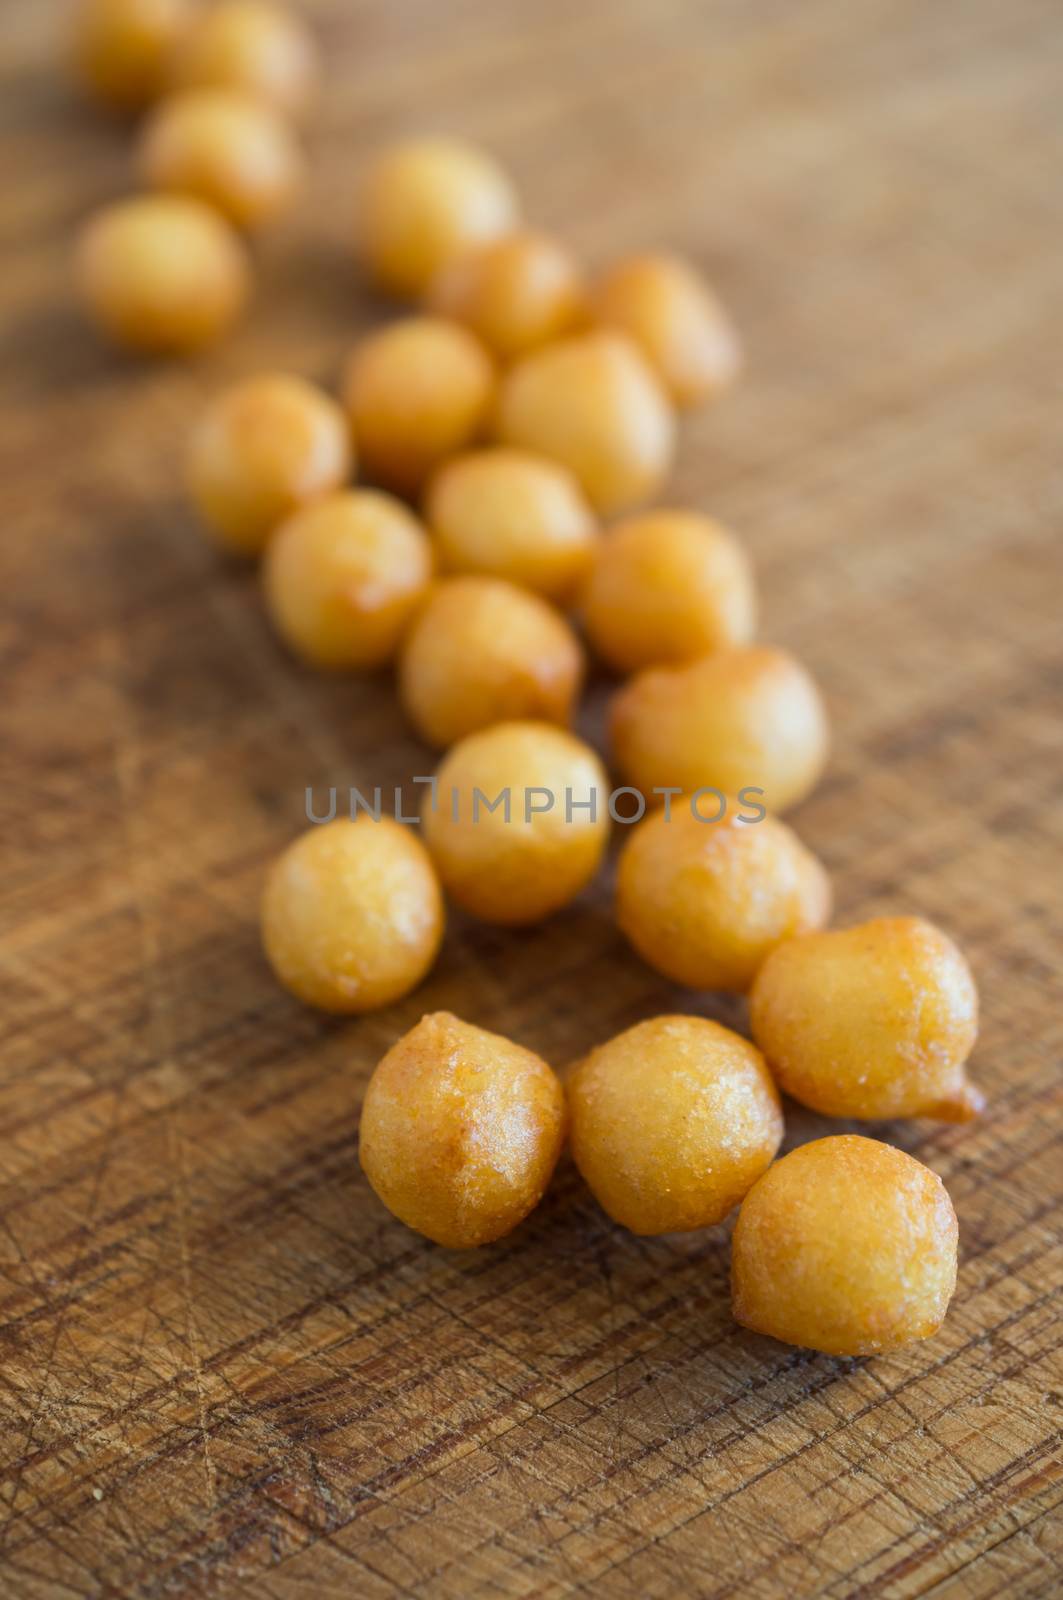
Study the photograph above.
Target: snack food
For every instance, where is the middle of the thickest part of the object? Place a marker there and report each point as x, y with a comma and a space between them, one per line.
123, 50
514, 515
162, 274
417, 391
871, 1021
748, 717
667, 586
461, 1130
705, 902
516, 292
344, 576
226, 148
671, 1122
424, 202
352, 914
665, 305
847, 1246
254, 46
482, 651
592, 403
519, 862
262, 449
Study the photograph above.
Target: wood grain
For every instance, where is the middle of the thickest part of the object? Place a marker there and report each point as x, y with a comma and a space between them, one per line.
225, 1370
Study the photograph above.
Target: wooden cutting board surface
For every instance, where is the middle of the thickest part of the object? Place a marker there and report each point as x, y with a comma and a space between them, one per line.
225, 1370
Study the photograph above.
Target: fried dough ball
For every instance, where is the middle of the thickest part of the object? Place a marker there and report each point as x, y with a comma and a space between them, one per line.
162, 274
846, 1246
344, 576
705, 902
872, 1021
223, 147
124, 49
515, 293
425, 202
509, 514
520, 868
261, 450
352, 915
483, 651
417, 391
255, 47
593, 404
671, 1122
668, 586
743, 718
666, 306
460, 1132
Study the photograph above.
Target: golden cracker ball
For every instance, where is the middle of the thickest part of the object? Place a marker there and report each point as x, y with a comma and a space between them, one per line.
162, 274
847, 1246
344, 577
460, 1131
253, 46
352, 914
513, 515
665, 305
225, 148
668, 586
671, 1123
482, 651
517, 864
705, 902
123, 50
262, 449
591, 403
417, 392
746, 718
871, 1021
516, 293
424, 202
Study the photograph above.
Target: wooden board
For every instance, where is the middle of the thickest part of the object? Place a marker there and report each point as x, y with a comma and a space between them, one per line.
225, 1369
